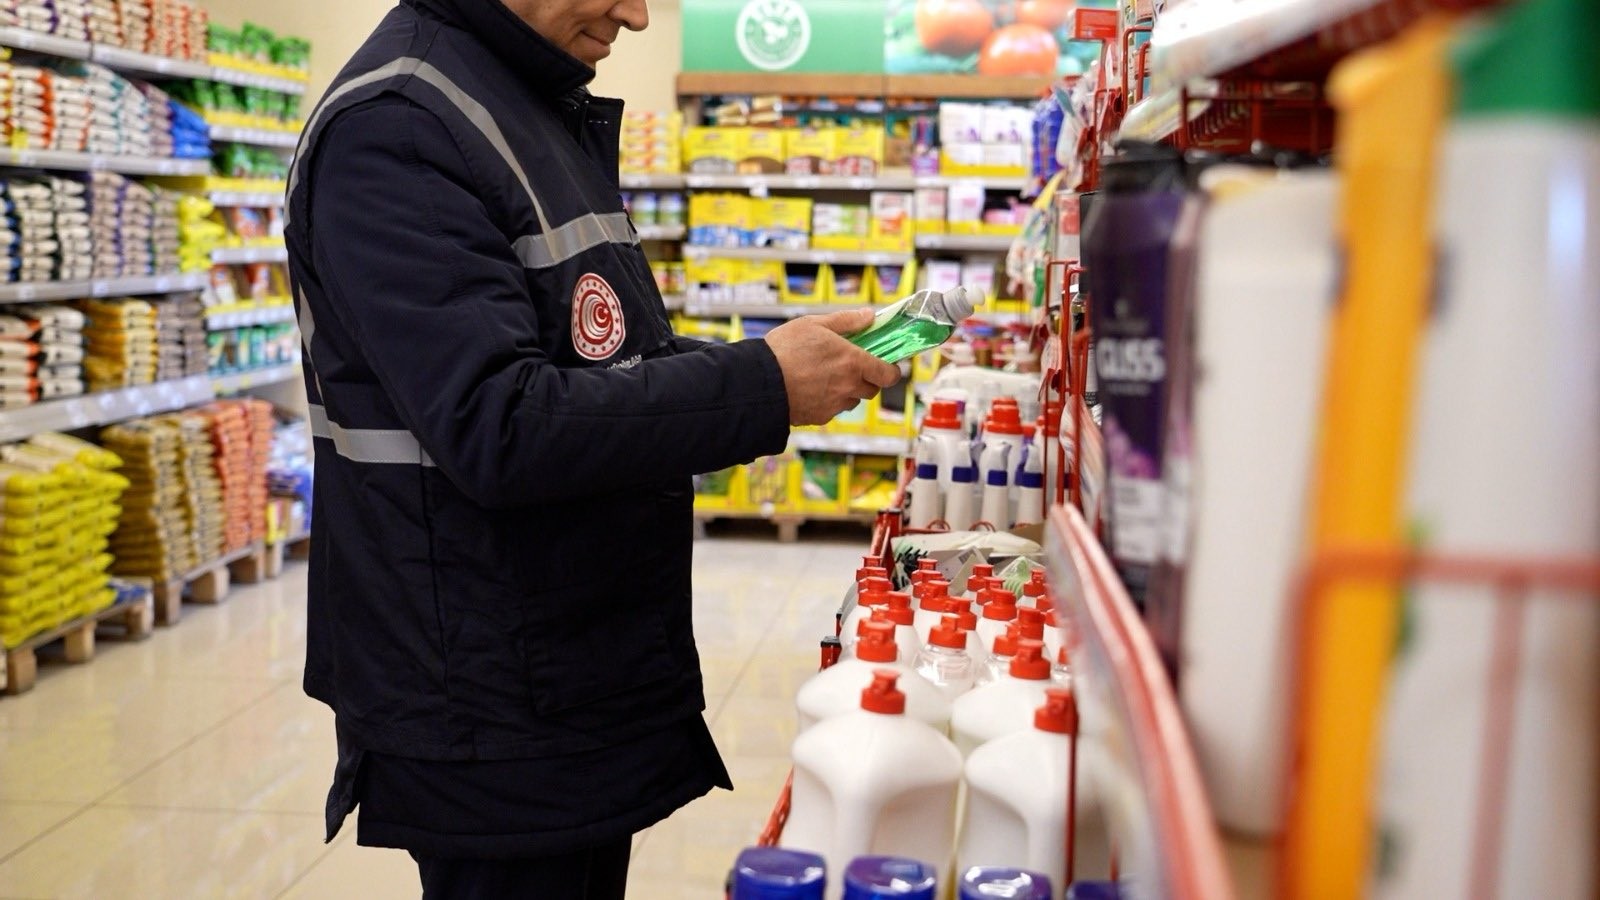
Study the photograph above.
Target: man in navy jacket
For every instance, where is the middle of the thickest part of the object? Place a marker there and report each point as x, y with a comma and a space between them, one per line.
506, 430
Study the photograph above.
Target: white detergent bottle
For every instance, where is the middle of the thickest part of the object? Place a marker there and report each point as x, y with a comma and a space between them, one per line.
874, 781
1016, 811
1005, 706
998, 614
899, 612
836, 690
1036, 593
962, 610
927, 500
933, 605
996, 663
978, 580
944, 661
995, 469
962, 496
1030, 479
871, 594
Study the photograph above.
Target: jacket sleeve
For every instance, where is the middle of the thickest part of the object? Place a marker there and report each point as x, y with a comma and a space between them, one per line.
428, 287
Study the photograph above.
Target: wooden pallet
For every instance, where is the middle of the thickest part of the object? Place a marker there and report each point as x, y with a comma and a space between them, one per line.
788, 523
133, 620
211, 583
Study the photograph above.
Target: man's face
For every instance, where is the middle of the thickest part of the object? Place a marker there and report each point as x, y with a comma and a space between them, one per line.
583, 28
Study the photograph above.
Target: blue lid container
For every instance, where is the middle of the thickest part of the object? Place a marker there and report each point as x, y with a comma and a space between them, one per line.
874, 877
768, 873
994, 883
1094, 890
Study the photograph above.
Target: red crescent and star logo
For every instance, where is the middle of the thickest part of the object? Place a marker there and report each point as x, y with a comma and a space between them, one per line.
597, 325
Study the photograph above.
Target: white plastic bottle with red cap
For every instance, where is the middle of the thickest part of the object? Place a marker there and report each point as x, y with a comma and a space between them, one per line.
978, 580
995, 664
933, 604
944, 660
837, 689
1005, 706
999, 611
872, 592
899, 611
1015, 814
968, 620
874, 782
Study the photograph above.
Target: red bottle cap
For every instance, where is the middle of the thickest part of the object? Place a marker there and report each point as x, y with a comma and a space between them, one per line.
1003, 418
1062, 659
948, 634
871, 567
931, 587
944, 415
962, 609
899, 609
981, 573
1029, 664
1035, 586
877, 643
936, 601
1031, 623
882, 696
1002, 606
1006, 644
876, 594
1030, 431
1059, 714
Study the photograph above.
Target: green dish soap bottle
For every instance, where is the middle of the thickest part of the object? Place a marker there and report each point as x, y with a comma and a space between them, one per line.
922, 321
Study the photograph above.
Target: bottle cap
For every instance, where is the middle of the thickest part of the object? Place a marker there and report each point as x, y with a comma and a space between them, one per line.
937, 599
959, 304
1002, 606
1527, 60
962, 609
1003, 420
980, 574
1031, 623
882, 877
899, 609
1059, 714
930, 587
871, 567
877, 643
1035, 586
1029, 664
1005, 645
881, 696
948, 634
992, 883
1030, 431
876, 593
770, 873
944, 415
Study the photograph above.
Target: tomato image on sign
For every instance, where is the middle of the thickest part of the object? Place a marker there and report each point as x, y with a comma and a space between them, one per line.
986, 37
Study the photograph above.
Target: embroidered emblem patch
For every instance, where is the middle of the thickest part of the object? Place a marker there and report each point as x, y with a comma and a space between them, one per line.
597, 325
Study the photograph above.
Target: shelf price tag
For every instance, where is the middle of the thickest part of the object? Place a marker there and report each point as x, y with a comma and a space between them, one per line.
1095, 24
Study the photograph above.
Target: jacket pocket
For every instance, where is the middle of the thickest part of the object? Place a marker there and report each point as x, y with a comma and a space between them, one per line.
584, 647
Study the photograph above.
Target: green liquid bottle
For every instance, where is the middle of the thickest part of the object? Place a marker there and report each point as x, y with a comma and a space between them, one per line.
922, 321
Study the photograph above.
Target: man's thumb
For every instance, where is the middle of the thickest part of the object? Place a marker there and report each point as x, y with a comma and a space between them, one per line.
847, 322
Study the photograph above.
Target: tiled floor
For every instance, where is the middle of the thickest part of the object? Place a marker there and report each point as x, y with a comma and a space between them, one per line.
191, 765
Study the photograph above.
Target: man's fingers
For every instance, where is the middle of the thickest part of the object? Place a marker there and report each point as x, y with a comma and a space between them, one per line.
847, 321
881, 374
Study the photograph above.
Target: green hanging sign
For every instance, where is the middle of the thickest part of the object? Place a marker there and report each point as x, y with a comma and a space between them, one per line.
837, 36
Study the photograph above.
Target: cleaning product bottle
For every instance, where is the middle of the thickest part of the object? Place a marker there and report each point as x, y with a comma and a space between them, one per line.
933, 605
944, 661
927, 500
958, 504
836, 690
1125, 244
872, 594
995, 468
888, 878
979, 579
770, 873
996, 663
999, 883
968, 620
1016, 785
922, 321
1505, 462
1005, 706
1030, 479
1030, 627
871, 567
1035, 592
899, 612
1391, 101
998, 613
874, 781
1268, 263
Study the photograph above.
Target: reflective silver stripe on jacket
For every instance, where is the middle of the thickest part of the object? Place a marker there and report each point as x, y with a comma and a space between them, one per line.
552, 246
370, 445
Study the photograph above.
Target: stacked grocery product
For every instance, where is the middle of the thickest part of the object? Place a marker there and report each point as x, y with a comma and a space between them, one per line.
173, 519
289, 477
49, 230
253, 46
650, 142
65, 230
245, 161
105, 23
122, 349
171, 28
231, 440
41, 354
197, 462
60, 500
198, 233
244, 107
135, 227
180, 337
82, 107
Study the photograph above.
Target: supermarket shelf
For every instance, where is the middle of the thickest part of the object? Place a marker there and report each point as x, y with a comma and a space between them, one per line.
859, 444
107, 287
242, 78
761, 310
897, 180
237, 198
242, 256
781, 254
259, 137
975, 243
66, 161
807, 84
663, 182
148, 65
105, 408
662, 232
23, 39
244, 381
989, 182
244, 318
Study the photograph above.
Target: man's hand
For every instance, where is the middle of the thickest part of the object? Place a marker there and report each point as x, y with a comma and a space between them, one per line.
825, 374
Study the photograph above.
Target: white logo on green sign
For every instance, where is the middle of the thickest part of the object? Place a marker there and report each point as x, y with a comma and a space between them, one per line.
773, 34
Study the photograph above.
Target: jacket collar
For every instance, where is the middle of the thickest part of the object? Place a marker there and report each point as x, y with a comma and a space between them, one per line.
547, 68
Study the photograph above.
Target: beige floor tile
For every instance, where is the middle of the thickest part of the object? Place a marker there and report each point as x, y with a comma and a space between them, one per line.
695, 848
112, 852
22, 822
758, 727
74, 766
227, 769
351, 871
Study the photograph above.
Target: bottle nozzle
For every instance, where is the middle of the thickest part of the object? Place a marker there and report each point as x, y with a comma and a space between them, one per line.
960, 303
